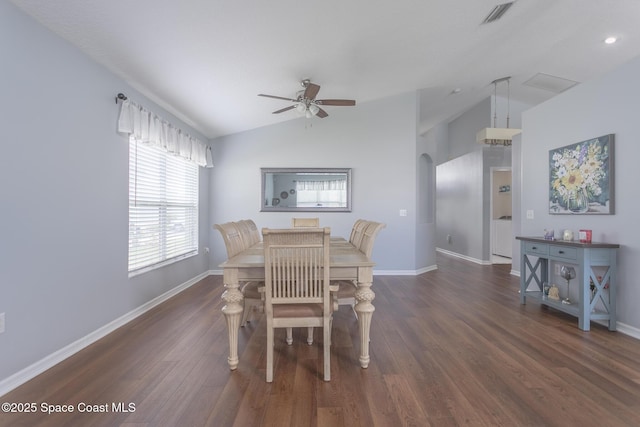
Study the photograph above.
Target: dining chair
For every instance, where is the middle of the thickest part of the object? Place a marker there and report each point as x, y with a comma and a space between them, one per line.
297, 285
357, 232
249, 231
251, 291
305, 222
363, 236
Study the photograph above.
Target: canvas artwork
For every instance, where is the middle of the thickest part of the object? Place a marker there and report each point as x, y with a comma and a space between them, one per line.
581, 177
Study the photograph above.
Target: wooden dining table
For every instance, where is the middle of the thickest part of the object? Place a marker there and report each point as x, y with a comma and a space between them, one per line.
347, 263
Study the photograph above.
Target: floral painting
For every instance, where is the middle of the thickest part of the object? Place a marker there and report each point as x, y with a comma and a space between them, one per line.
581, 177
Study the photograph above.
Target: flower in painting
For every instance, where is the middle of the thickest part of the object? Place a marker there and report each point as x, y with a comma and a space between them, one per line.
578, 171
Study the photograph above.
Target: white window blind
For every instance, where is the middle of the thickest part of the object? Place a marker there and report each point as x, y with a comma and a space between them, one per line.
163, 207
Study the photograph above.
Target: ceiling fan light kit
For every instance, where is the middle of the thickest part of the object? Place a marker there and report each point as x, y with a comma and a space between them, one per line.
306, 103
496, 135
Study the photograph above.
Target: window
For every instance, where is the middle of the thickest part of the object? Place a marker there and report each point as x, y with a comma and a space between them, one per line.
163, 207
327, 193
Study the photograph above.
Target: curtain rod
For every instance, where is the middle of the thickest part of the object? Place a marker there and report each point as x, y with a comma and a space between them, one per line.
121, 96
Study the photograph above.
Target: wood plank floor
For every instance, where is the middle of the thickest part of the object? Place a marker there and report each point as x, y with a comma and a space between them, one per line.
450, 347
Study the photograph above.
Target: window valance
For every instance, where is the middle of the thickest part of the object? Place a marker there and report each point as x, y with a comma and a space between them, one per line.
145, 126
325, 185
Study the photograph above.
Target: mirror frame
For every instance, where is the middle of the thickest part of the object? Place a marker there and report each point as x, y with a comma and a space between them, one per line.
265, 171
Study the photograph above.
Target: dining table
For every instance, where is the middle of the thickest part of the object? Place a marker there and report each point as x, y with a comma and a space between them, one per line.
346, 263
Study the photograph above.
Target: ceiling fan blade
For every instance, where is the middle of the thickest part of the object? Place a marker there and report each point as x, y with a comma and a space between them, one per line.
278, 97
321, 113
311, 91
336, 102
284, 109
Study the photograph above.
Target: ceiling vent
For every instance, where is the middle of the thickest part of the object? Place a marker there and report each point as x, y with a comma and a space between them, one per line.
497, 12
551, 83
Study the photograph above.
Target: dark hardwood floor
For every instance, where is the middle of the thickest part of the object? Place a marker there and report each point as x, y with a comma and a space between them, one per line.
448, 348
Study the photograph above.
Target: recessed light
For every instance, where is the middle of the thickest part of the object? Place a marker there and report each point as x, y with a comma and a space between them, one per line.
610, 40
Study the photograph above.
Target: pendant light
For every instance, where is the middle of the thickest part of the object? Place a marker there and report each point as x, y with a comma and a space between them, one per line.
496, 135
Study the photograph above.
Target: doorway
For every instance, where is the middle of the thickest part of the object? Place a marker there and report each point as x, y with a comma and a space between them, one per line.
501, 221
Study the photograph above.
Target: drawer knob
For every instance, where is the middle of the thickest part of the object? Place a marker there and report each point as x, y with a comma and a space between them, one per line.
534, 247
560, 252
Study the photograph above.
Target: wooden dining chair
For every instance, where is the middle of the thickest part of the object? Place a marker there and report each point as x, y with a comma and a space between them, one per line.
252, 291
363, 236
249, 231
357, 232
305, 222
297, 285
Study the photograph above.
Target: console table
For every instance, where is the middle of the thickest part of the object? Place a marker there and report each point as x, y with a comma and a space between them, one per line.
599, 304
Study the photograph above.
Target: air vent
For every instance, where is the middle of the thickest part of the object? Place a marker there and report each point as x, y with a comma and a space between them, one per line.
551, 83
497, 12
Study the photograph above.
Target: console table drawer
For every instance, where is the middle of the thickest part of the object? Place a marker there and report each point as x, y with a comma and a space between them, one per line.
565, 252
536, 248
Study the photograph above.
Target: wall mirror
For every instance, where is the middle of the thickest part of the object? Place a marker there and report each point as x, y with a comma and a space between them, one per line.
306, 190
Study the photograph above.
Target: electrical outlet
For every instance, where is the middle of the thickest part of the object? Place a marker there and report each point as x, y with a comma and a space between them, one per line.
449, 239
530, 214
1, 323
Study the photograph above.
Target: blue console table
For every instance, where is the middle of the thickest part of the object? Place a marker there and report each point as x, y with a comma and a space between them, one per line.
599, 304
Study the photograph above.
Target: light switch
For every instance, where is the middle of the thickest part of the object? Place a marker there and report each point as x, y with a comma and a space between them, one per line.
403, 212
530, 214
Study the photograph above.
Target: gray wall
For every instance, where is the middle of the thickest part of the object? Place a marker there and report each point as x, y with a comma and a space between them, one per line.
459, 205
463, 196
64, 195
606, 105
376, 139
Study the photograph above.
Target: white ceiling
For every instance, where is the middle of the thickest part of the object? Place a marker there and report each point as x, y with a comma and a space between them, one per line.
206, 60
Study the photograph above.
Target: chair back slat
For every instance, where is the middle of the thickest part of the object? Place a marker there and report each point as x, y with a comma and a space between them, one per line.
305, 222
249, 231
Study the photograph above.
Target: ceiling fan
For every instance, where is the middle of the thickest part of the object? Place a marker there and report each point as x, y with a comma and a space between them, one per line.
306, 102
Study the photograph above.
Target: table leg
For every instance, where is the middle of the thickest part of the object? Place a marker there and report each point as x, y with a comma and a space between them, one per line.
232, 312
364, 295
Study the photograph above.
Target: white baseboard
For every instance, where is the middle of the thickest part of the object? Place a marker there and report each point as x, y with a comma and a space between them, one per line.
21, 377
628, 330
464, 257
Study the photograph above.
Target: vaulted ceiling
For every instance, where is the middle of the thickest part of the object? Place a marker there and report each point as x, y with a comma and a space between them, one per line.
206, 60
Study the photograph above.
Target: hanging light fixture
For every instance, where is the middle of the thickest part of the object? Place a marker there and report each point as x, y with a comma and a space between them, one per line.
496, 135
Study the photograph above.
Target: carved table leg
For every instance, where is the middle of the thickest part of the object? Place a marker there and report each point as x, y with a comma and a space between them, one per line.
364, 295
233, 313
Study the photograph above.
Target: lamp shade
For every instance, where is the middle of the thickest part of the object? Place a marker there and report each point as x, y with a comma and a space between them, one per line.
496, 136
301, 108
314, 109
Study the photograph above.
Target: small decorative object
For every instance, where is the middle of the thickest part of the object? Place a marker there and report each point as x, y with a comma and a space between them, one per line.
549, 234
292, 191
585, 236
581, 177
567, 273
545, 289
554, 293
567, 235
284, 194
